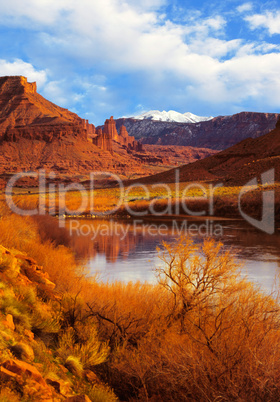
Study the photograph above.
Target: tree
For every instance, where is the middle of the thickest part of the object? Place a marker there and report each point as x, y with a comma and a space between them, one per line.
196, 274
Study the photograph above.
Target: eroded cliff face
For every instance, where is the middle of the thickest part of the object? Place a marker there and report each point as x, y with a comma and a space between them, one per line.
26, 114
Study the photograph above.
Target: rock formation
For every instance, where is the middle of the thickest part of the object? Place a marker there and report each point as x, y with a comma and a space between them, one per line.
104, 138
110, 129
129, 141
26, 114
37, 134
124, 138
90, 128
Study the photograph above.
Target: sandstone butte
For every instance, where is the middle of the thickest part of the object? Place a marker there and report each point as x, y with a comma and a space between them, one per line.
26, 114
35, 133
61, 140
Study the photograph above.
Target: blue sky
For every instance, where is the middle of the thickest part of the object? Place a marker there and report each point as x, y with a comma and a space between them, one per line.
109, 57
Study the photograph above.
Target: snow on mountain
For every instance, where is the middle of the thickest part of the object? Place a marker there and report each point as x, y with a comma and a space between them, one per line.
171, 116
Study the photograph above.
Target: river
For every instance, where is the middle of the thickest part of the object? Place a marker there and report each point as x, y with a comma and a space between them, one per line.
127, 250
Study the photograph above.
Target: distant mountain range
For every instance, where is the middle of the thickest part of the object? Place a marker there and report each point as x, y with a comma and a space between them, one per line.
234, 166
171, 116
218, 133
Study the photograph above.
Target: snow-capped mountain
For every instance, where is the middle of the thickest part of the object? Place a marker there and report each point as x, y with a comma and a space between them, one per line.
171, 116
217, 133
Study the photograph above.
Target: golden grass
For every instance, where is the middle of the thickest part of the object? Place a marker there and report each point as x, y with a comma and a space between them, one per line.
22, 233
202, 333
146, 200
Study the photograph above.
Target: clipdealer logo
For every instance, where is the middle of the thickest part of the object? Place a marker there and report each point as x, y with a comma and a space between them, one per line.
47, 188
267, 222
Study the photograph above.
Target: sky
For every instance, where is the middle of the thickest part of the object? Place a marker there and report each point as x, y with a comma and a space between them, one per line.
99, 58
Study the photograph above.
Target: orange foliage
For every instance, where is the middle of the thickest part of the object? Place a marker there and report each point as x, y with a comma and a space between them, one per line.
220, 340
203, 333
22, 233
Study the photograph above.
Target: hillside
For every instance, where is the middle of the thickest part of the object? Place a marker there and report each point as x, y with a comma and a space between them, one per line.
38, 362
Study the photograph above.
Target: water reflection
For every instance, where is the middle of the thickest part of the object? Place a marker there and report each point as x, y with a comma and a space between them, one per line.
126, 250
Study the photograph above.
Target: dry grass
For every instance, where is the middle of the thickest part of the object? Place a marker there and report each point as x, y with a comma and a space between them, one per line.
203, 333
21, 233
183, 198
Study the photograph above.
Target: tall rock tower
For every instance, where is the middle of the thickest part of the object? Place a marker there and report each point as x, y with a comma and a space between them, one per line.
110, 129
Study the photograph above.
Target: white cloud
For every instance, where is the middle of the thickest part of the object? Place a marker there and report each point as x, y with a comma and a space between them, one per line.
41, 12
63, 95
214, 47
54, 90
251, 76
120, 37
269, 20
245, 7
216, 23
135, 37
110, 29
19, 67
257, 49
147, 4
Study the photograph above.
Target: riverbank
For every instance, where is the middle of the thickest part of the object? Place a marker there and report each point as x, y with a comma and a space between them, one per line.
201, 331
187, 199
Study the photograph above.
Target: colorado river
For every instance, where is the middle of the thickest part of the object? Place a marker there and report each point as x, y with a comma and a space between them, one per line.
127, 250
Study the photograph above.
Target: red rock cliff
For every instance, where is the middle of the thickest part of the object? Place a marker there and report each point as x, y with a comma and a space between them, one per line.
103, 141
25, 113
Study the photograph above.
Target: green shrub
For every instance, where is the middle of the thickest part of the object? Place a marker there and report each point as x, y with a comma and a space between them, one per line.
26, 294
21, 318
66, 345
18, 309
6, 338
93, 352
